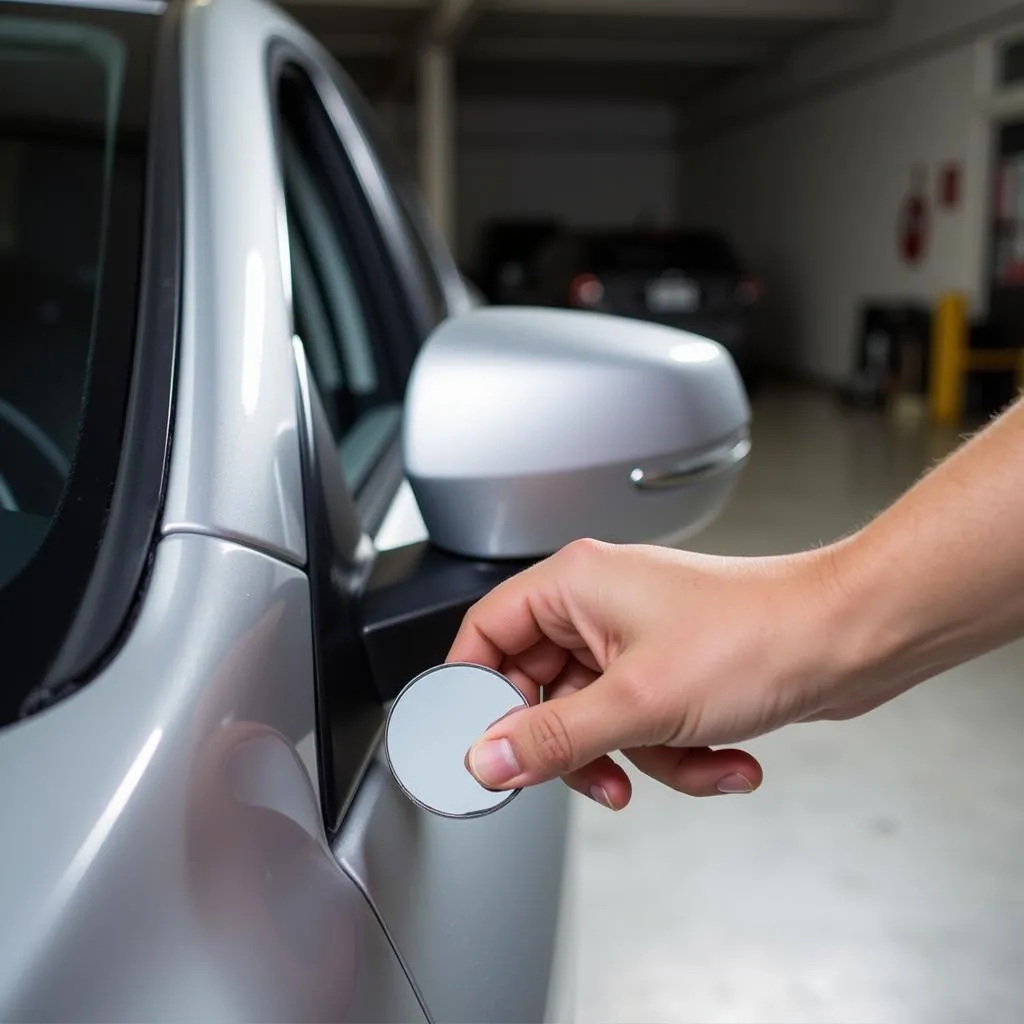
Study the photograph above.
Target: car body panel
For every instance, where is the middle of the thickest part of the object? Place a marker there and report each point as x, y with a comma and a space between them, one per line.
472, 906
164, 844
235, 469
168, 844
458, 944
731, 329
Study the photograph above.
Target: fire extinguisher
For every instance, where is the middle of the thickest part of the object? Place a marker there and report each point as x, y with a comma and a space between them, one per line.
914, 224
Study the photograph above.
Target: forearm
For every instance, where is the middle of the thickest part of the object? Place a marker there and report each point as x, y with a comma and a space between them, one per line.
939, 577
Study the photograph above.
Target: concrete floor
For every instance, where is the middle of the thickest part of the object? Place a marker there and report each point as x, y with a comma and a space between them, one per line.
879, 873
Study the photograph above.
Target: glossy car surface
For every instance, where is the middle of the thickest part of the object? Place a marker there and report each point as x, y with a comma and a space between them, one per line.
195, 822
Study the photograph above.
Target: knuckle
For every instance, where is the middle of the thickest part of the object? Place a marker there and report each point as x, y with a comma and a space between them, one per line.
584, 551
551, 741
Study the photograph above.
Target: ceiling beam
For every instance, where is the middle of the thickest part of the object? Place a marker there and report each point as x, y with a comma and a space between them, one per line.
359, 44
818, 11
809, 11
684, 53
384, 5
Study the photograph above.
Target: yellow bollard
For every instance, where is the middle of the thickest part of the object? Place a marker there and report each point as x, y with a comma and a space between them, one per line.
949, 359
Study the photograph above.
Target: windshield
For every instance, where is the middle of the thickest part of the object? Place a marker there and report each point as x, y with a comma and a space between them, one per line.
72, 141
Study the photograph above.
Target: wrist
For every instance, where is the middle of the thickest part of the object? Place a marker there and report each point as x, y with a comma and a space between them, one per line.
869, 627
853, 634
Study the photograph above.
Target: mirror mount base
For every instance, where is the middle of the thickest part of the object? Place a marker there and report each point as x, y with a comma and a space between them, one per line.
413, 605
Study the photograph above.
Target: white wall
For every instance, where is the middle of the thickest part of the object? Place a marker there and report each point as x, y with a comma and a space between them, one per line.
586, 163
809, 177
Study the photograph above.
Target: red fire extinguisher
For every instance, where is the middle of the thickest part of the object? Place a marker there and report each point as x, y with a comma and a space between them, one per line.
914, 223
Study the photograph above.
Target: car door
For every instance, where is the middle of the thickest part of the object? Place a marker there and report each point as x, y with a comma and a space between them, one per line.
473, 908
163, 850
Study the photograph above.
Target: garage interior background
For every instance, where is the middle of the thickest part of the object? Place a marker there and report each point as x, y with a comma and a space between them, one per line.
797, 127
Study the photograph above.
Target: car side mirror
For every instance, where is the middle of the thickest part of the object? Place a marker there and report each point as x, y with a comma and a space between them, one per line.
528, 428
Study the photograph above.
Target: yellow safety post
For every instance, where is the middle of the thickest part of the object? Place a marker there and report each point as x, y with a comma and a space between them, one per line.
949, 358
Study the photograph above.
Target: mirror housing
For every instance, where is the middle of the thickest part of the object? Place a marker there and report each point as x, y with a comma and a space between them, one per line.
526, 429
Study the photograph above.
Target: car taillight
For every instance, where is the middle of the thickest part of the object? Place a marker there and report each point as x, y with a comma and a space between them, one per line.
586, 291
749, 291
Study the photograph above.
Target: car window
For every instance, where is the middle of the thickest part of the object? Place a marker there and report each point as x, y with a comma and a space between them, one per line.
72, 147
332, 301
53, 205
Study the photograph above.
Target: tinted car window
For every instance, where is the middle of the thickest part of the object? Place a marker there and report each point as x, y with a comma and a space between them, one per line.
343, 340
71, 181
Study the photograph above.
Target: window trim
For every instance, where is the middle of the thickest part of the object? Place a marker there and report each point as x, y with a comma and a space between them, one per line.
351, 117
346, 108
361, 172
339, 552
414, 225
365, 202
133, 529
349, 715
139, 414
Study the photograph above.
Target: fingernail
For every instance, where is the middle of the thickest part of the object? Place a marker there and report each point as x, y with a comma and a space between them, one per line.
493, 762
737, 783
600, 795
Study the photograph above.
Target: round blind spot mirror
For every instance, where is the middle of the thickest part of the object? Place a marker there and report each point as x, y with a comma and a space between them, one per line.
432, 724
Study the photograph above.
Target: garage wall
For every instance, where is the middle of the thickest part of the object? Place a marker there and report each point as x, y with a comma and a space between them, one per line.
585, 163
807, 169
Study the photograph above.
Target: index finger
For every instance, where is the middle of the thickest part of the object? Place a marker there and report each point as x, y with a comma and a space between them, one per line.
505, 622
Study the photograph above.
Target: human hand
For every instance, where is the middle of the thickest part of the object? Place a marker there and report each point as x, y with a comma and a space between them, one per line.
658, 653
663, 654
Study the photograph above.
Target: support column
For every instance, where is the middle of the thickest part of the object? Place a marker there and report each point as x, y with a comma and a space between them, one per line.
436, 103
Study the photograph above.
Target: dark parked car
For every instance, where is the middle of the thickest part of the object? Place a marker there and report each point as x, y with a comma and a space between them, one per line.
506, 259
689, 279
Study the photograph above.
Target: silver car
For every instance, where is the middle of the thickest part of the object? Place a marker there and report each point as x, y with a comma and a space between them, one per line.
258, 454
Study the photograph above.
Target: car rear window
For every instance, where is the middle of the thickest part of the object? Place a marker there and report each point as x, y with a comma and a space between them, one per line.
72, 141
697, 253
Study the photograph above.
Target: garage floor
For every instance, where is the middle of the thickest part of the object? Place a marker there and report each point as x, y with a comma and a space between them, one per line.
877, 876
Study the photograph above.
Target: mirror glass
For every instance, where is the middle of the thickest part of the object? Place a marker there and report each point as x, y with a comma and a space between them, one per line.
430, 727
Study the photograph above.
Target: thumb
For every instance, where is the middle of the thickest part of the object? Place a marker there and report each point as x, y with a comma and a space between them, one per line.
557, 737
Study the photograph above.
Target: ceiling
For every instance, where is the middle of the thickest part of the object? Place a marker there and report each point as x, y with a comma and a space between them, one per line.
564, 49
